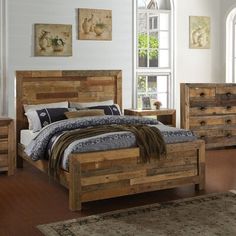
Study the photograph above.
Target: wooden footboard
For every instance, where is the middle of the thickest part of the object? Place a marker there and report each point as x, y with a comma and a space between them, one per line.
101, 175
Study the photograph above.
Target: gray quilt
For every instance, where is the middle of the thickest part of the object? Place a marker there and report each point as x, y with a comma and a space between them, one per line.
49, 134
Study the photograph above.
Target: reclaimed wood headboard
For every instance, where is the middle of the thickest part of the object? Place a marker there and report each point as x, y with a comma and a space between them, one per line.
36, 87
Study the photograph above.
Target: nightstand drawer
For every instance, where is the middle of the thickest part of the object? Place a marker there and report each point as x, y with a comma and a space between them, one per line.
3, 160
3, 145
7, 145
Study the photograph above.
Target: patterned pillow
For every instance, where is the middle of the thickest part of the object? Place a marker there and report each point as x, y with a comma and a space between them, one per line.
109, 110
30, 107
43, 117
83, 113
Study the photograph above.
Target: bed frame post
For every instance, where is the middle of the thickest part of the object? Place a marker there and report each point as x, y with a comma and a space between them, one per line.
201, 166
74, 185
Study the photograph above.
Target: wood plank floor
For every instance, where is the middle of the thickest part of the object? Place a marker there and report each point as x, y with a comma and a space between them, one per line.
28, 198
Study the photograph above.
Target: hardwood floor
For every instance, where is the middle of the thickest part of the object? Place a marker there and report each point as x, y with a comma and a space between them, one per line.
28, 198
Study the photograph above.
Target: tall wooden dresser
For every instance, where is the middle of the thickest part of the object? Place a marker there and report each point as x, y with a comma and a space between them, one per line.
7, 145
209, 110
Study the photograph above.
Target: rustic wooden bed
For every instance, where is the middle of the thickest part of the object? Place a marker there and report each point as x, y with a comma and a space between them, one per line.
105, 174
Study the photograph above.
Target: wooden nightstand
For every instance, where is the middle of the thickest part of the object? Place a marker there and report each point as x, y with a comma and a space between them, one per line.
7, 145
166, 116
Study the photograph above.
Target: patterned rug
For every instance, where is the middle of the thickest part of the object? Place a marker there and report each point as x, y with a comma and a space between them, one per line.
207, 215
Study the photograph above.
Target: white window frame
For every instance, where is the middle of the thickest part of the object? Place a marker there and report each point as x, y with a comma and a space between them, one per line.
3, 56
168, 71
230, 47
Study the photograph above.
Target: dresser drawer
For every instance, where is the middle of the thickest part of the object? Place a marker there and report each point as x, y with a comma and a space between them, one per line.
205, 121
3, 160
208, 134
217, 138
208, 110
3, 145
202, 93
228, 91
3, 131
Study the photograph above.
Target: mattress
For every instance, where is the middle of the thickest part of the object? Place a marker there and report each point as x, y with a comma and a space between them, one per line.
26, 136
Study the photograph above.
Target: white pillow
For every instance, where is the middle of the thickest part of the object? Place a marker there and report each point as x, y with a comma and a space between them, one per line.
28, 108
46, 105
81, 105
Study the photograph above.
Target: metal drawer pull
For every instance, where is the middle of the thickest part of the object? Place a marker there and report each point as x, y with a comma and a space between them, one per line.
202, 137
228, 121
228, 107
202, 122
228, 135
202, 94
202, 108
228, 94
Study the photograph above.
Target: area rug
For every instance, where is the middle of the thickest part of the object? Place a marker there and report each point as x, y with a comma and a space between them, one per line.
207, 215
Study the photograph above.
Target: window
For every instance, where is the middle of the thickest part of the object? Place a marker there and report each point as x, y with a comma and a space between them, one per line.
153, 52
231, 47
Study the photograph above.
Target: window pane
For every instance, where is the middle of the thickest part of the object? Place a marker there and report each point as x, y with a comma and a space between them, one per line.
142, 58
164, 21
162, 84
162, 97
234, 69
153, 98
153, 22
142, 84
139, 100
235, 39
164, 58
141, 4
153, 40
142, 23
164, 40
142, 41
153, 58
152, 83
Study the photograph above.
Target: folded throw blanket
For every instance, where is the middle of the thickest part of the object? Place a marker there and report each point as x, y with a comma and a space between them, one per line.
149, 139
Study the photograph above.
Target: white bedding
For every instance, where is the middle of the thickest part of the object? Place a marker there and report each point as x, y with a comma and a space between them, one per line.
26, 136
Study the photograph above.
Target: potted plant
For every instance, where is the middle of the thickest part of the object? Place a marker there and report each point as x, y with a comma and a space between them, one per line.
99, 28
57, 44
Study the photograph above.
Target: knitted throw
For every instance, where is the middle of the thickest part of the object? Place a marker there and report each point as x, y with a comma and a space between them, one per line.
148, 138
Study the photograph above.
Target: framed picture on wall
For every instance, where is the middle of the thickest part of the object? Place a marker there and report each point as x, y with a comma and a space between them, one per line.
94, 24
199, 32
53, 40
146, 103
